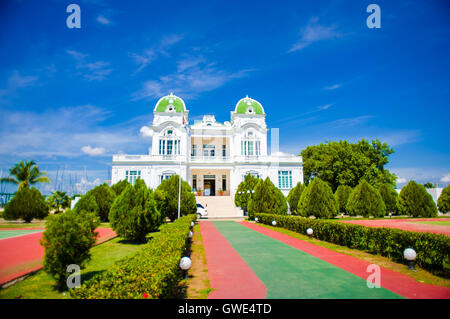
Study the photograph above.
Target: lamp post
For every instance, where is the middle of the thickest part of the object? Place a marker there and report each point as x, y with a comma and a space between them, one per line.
256, 219
390, 215
185, 265
274, 223
179, 191
310, 232
410, 255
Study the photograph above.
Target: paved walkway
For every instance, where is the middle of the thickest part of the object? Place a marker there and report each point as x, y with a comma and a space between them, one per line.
405, 224
21, 255
292, 268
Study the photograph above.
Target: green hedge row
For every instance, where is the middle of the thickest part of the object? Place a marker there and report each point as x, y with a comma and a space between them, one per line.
153, 272
433, 250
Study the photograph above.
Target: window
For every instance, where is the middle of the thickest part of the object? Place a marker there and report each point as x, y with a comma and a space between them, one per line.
194, 182
224, 150
285, 179
209, 150
166, 175
194, 150
224, 182
131, 176
250, 148
169, 147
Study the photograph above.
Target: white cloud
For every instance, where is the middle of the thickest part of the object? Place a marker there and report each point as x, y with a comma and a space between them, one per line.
325, 107
101, 19
146, 131
92, 71
401, 180
17, 81
445, 178
93, 151
332, 87
314, 32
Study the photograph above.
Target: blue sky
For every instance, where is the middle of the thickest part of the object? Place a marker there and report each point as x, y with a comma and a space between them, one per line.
70, 98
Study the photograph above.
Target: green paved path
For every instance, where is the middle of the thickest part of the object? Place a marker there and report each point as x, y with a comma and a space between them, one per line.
15, 233
290, 273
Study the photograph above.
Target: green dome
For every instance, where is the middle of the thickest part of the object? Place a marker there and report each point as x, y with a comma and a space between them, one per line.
170, 103
249, 106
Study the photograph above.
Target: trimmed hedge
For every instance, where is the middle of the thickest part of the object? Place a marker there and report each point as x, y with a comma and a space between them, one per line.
433, 250
153, 270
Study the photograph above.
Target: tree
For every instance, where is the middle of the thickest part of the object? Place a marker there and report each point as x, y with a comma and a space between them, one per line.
344, 163
428, 185
342, 194
414, 200
365, 200
103, 196
134, 213
318, 200
390, 197
267, 199
27, 203
67, 240
120, 186
444, 200
244, 191
166, 197
25, 174
293, 197
58, 200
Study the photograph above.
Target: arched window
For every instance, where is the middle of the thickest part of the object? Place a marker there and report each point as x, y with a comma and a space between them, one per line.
250, 144
169, 143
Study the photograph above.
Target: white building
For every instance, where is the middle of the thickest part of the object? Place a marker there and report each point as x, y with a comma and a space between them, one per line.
213, 157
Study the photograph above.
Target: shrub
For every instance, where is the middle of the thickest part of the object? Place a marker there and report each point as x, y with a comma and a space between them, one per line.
293, 197
365, 200
415, 201
242, 197
444, 200
119, 187
166, 197
342, 194
154, 270
390, 197
433, 250
266, 199
67, 240
103, 196
134, 214
318, 200
27, 203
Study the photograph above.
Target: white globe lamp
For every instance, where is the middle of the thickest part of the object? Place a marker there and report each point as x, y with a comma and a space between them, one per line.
274, 223
310, 232
190, 234
256, 219
185, 263
410, 255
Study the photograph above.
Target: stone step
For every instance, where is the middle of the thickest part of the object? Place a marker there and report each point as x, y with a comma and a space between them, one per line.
219, 206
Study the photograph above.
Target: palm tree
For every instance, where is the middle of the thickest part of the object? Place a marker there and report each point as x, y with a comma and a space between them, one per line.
59, 200
25, 174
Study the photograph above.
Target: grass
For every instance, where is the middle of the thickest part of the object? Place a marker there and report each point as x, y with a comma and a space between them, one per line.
198, 285
439, 223
21, 224
42, 286
421, 275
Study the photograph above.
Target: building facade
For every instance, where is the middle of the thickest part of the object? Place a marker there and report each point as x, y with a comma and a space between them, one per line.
213, 157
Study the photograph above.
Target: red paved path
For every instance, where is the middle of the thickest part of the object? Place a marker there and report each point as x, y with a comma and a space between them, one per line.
229, 274
393, 281
23, 254
405, 224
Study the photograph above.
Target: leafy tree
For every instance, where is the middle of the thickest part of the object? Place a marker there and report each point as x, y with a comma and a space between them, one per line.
342, 194
414, 200
243, 196
67, 240
25, 174
390, 197
27, 203
88, 203
120, 186
428, 185
103, 196
318, 200
267, 199
293, 197
444, 200
166, 197
58, 200
134, 214
365, 200
344, 163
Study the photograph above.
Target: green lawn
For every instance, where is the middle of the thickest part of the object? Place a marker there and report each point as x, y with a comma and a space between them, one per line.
439, 222
14, 233
42, 286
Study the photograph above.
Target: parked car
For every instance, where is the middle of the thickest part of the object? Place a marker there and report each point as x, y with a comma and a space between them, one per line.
201, 211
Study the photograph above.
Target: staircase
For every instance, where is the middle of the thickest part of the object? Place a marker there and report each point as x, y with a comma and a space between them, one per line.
219, 206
